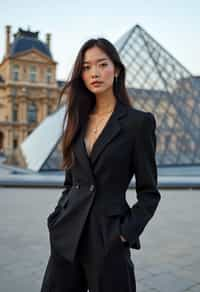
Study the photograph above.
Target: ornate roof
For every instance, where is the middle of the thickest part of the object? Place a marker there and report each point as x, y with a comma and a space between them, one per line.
25, 40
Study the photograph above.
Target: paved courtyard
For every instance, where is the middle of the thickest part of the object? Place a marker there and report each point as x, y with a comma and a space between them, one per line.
169, 260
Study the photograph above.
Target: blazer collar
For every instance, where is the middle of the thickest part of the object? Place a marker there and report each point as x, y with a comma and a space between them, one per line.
110, 131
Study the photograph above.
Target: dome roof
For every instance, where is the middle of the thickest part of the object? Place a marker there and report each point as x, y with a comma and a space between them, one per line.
27, 40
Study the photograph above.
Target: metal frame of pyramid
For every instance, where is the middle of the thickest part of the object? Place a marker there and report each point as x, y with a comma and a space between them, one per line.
158, 83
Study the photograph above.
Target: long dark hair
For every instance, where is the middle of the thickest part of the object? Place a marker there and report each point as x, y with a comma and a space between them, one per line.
80, 101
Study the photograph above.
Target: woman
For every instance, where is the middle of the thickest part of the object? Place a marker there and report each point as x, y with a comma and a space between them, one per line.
105, 142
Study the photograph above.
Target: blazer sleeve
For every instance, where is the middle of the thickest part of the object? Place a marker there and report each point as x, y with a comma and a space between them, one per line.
67, 186
145, 169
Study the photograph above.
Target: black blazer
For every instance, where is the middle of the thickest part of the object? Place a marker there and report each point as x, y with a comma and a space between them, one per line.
98, 182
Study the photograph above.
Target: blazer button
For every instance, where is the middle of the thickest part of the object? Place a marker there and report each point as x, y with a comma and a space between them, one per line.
92, 188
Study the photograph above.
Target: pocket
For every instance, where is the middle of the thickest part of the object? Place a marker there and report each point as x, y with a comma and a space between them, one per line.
110, 230
52, 219
116, 218
122, 243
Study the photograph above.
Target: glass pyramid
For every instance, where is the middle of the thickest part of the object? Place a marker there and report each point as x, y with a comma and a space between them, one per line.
158, 83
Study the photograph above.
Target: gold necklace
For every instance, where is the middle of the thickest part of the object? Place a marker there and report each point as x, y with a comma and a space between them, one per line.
94, 132
96, 127
102, 113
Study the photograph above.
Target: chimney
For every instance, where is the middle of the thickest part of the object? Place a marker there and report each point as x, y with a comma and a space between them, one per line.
8, 30
48, 40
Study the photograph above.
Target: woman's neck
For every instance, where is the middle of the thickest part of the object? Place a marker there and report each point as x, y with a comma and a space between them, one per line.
104, 103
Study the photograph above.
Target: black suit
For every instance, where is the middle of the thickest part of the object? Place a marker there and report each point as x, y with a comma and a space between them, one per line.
93, 203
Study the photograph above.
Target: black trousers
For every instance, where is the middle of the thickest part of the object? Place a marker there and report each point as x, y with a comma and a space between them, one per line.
92, 269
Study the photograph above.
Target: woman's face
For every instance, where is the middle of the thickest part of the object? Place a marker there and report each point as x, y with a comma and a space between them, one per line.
98, 71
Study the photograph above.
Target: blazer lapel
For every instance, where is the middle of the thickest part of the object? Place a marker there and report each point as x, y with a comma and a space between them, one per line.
110, 131
82, 157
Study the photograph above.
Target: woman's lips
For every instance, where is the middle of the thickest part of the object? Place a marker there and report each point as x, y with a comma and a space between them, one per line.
96, 84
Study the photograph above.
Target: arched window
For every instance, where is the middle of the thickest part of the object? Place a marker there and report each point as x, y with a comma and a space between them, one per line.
32, 113
48, 75
15, 72
33, 73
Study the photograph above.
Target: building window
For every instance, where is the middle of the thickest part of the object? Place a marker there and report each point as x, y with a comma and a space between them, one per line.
48, 75
15, 143
32, 113
49, 109
15, 72
33, 74
14, 92
15, 112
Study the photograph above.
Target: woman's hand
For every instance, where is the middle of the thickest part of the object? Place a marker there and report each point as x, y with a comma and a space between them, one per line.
122, 238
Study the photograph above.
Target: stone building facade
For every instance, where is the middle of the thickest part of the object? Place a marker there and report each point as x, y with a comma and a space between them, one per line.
29, 90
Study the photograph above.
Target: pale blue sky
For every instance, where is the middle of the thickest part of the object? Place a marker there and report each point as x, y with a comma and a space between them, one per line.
175, 24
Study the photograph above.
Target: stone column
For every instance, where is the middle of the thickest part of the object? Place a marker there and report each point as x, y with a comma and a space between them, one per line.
8, 31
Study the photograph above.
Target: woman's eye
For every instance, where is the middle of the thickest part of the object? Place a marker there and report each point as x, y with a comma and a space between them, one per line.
103, 64
85, 68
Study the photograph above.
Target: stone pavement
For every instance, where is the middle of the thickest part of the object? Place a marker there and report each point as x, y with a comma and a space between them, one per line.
169, 260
